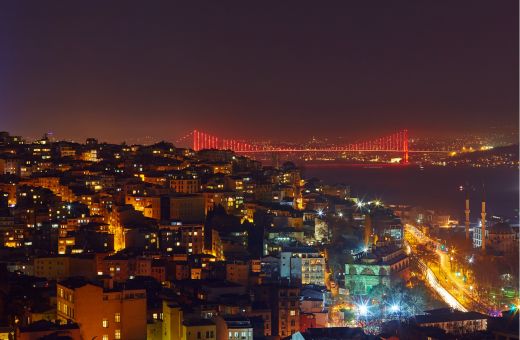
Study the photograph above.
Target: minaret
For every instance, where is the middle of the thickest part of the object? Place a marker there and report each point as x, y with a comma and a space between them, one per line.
483, 227
466, 211
368, 230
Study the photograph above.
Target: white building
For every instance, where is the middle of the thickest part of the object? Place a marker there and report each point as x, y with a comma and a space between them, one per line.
303, 264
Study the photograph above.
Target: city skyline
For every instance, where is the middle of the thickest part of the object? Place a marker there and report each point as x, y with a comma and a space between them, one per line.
250, 72
259, 171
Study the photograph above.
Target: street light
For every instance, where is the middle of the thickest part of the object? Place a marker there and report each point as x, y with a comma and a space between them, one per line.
320, 213
394, 308
362, 309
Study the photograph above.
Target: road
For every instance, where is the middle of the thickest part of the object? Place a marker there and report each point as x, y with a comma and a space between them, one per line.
451, 294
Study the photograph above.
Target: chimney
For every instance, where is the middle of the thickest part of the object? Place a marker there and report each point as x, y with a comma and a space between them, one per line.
108, 282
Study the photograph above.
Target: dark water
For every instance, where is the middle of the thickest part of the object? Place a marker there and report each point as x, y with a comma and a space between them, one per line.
432, 187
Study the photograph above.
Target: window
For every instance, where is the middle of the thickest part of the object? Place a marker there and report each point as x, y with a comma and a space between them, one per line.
293, 313
199, 336
105, 323
117, 334
105, 337
117, 317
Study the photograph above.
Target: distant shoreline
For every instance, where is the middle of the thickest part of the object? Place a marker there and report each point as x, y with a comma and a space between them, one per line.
327, 164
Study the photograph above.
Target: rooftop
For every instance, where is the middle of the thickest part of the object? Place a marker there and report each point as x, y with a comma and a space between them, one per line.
44, 325
437, 316
198, 322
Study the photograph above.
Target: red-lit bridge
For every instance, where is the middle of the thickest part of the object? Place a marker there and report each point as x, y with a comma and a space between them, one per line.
396, 142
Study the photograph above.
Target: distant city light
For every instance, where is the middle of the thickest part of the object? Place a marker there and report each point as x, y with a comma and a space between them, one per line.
320, 213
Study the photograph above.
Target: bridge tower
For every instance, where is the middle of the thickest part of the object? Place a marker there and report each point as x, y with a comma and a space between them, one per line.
405, 146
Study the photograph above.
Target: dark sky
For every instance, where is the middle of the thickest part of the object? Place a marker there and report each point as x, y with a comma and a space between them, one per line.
287, 69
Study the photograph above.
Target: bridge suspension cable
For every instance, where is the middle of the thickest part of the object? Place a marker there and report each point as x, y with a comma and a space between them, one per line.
396, 142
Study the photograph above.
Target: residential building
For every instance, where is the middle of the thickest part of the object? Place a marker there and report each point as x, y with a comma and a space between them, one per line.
103, 312
304, 265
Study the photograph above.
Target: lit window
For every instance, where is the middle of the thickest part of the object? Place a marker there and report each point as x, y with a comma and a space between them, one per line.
105, 337
117, 334
117, 317
155, 316
105, 323
293, 313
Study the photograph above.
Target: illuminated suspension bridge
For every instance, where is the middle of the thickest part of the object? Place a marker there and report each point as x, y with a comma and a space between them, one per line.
396, 142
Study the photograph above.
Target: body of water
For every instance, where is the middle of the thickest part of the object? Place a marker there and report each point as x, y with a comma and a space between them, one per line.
436, 188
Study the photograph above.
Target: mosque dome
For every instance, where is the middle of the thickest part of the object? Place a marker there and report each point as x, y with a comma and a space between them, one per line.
501, 228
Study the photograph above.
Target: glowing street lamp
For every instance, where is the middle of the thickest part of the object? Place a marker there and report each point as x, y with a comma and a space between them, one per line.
320, 213
394, 308
362, 309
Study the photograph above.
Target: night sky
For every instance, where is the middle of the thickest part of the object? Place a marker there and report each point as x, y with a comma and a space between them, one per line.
284, 69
